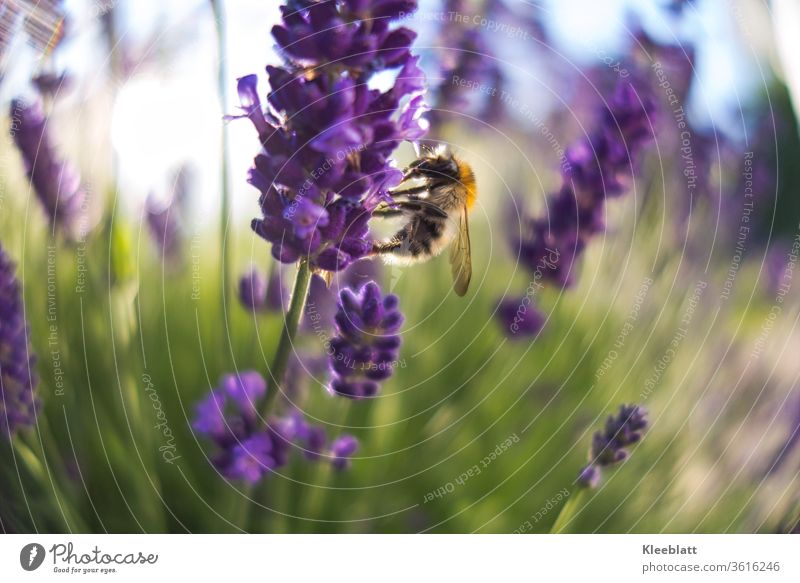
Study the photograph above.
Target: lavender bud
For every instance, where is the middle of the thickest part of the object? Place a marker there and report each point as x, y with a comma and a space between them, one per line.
56, 182
366, 347
609, 445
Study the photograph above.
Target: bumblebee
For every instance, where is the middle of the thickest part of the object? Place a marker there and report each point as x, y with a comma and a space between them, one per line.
436, 210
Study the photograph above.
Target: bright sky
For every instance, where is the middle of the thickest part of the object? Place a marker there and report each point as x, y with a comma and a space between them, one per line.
168, 114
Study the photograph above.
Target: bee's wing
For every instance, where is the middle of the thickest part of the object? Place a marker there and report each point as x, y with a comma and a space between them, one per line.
461, 256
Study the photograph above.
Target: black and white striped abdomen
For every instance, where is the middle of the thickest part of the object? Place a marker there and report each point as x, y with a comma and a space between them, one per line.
425, 235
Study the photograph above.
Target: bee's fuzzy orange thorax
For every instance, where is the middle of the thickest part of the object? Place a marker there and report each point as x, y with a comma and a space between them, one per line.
467, 177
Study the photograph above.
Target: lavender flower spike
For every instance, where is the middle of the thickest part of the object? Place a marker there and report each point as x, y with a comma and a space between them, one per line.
609, 446
520, 318
366, 348
248, 447
19, 403
342, 450
253, 291
326, 136
597, 168
56, 182
228, 416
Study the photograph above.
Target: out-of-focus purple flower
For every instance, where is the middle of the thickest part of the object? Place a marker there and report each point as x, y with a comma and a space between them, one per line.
519, 317
621, 431
19, 402
164, 224
365, 350
597, 168
253, 290
342, 449
165, 216
229, 417
472, 78
230, 412
315, 441
247, 447
250, 459
55, 181
327, 137
609, 446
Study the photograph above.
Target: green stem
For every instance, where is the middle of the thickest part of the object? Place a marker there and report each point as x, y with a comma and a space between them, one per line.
279, 364
222, 81
286, 342
239, 509
570, 509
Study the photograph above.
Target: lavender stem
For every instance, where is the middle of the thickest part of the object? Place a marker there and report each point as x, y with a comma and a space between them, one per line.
291, 322
568, 512
222, 80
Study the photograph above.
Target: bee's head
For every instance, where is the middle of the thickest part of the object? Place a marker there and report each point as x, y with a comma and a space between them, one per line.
434, 164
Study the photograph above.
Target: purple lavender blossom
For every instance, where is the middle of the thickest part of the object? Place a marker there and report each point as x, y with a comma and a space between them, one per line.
520, 319
19, 403
253, 290
609, 445
163, 223
468, 64
56, 182
311, 439
597, 168
165, 216
366, 347
248, 448
326, 136
229, 417
250, 459
342, 449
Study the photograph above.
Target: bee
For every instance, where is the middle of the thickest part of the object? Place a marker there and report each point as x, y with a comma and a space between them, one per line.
436, 210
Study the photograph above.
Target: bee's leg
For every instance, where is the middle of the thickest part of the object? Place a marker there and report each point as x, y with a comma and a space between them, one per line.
386, 213
383, 247
397, 244
414, 206
409, 191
